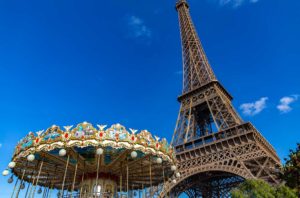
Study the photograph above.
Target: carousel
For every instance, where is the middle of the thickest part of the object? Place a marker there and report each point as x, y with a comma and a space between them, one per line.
87, 162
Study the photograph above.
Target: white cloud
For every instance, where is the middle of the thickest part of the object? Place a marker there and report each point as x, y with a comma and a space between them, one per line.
138, 28
254, 108
285, 103
235, 3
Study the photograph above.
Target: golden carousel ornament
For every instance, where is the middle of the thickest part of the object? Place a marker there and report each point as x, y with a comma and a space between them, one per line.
88, 162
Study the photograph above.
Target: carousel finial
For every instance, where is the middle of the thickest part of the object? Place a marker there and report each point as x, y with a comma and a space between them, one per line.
67, 128
101, 127
39, 132
157, 138
133, 131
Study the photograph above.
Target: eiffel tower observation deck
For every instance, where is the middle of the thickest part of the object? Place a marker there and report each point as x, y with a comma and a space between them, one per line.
215, 148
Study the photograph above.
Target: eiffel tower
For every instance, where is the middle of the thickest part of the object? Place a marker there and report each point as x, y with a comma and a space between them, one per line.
215, 148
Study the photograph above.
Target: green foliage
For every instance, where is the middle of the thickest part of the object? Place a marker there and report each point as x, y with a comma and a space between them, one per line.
254, 188
261, 189
283, 191
291, 169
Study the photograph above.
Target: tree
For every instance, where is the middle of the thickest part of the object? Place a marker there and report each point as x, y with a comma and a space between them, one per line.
291, 169
260, 189
283, 191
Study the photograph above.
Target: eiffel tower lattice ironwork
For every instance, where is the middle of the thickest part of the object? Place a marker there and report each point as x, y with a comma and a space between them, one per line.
215, 148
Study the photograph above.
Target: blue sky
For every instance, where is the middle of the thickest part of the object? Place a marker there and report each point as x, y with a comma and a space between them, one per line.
106, 62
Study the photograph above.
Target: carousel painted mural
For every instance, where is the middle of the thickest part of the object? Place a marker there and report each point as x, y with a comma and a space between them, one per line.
85, 161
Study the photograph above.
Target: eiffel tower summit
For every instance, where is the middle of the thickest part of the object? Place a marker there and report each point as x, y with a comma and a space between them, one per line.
215, 148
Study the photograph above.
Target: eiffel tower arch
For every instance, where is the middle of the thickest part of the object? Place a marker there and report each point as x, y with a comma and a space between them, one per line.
215, 148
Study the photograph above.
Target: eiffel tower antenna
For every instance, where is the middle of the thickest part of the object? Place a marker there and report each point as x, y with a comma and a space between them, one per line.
197, 70
215, 148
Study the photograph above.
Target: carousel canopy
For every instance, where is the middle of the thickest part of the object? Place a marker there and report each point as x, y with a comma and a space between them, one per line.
63, 159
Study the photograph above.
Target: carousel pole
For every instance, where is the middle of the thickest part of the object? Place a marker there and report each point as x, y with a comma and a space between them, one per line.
132, 190
121, 180
133, 154
48, 188
27, 189
142, 182
127, 177
99, 152
82, 178
163, 169
74, 179
103, 189
150, 172
31, 188
51, 189
47, 191
45, 188
139, 193
14, 188
65, 174
68, 190
37, 179
51, 184
44, 191
22, 178
30, 185
143, 191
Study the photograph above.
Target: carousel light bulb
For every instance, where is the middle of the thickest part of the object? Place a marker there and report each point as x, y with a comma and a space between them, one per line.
99, 151
159, 160
133, 154
39, 191
174, 181
12, 164
62, 152
178, 175
173, 168
10, 180
5, 172
22, 186
30, 157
